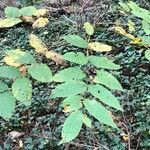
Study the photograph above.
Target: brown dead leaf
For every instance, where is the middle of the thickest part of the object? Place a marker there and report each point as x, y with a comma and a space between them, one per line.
23, 70
55, 57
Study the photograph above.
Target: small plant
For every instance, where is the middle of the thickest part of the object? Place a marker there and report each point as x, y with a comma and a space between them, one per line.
28, 14
20, 65
83, 92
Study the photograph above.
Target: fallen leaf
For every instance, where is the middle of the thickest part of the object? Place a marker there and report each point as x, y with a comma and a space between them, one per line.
40, 22
36, 43
99, 47
55, 57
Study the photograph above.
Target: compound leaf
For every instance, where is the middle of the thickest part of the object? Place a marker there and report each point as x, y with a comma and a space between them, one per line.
40, 72
72, 73
103, 62
107, 79
105, 96
22, 89
27, 11
86, 120
76, 41
3, 87
12, 12
70, 88
99, 112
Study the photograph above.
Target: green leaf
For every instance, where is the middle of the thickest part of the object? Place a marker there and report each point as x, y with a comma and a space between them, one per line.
7, 105
12, 12
70, 88
88, 28
146, 27
9, 72
86, 120
22, 89
147, 54
9, 22
99, 112
71, 127
131, 25
71, 73
73, 102
124, 6
105, 96
21, 57
40, 72
27, 11
3, 87
78, 58
108, 80
103, 62
76, 41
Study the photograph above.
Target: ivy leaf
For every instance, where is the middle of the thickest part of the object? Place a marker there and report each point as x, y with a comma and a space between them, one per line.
105, 96
147, 54
146, 27
40, 22
12, 12
70, 88
99, 112
73, 103
27, 11
40, 72
7, 105
71, 73
9, 22
76, 41
86, 120
3, 87
88, 28
36, 43
22, 89
108, 80
9, 72
71, 127
99, 47
78, 58
21, 57
103, 62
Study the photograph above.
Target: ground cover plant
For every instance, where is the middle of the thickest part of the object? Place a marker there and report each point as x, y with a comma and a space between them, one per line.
67, 90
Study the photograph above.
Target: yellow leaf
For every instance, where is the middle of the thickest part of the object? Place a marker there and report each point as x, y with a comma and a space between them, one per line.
10, 61
40, 22
99, 47
66, 109
36, 43
27, 19
55, 57
40, 12
88, 28
120, 30
125, 136
136, 41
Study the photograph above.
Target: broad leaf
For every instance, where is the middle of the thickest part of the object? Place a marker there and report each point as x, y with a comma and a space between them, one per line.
12, 12
147, 54
124, 6
9, 22
99, 47
108, 80
3, 87
72, 103
103, 62
21, 57
71, 73
7, 105
70, 88
86, 120
22, 89
9, 72
99, 112
78, 58
88, 28
146, 27
41, 12
104, 95
36, 43
40, 72
27, 11
76, 41
71, 127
